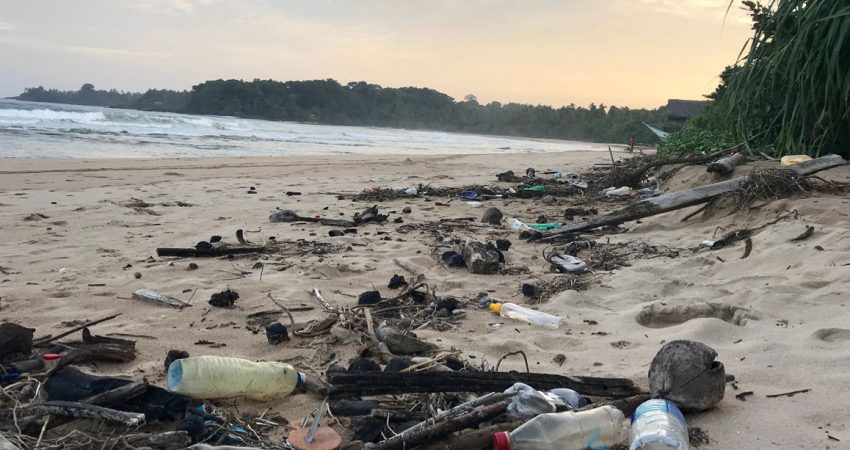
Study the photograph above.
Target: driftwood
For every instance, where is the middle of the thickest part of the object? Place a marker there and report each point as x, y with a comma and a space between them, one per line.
77, 411
191, 252
91, 339
725, 166
682, 199
355, 383
442, 428
48, 339
147, 295
688, 160
166, 441
480, 439
97, 352
480, 258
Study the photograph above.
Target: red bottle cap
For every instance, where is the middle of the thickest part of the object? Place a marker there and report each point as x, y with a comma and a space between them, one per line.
501, 441
50, 356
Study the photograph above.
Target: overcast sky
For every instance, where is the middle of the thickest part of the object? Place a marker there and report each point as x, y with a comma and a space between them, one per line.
622, 52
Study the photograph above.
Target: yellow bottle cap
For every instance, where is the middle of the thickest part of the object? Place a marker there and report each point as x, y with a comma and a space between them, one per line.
495, 307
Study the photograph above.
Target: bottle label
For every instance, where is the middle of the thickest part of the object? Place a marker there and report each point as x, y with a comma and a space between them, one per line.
658, 405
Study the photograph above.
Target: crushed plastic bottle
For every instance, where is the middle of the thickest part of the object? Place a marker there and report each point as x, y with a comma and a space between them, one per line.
658, 425
204, 377
597, 428
568, 264
623, 191
514, 311
529, 402
413, 192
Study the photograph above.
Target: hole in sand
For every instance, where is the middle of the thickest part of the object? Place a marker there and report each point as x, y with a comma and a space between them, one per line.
832, 334
660, 316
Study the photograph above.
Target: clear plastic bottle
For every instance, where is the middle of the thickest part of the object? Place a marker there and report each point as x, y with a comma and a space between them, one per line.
204, 377
658, 425
596, 428
517, 224
514, 311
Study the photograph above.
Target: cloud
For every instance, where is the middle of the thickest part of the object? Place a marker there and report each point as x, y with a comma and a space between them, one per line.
693, 8
5, 26
100, 52
184, 6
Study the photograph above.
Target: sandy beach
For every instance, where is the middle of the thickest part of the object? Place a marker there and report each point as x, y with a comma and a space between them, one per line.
100, 221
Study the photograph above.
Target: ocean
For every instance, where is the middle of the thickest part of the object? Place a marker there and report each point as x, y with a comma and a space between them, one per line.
47, 130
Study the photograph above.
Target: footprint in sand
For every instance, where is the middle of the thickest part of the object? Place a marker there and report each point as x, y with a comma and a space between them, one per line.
832, 334
660, 316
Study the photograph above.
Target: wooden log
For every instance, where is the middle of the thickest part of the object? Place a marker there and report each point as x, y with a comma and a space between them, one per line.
379, 383
480, 259
725, 166
77, 411
191, 252
147, 295
682, 199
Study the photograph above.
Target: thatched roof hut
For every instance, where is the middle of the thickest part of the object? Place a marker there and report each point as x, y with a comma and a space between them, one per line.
684, 109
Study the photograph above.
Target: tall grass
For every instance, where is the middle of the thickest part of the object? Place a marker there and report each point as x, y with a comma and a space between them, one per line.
791, 93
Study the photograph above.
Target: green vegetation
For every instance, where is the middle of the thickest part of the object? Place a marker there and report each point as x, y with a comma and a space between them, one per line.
791, 94
364, 104
87, 95
693, 141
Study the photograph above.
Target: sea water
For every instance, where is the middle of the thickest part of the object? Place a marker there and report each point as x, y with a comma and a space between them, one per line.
47, 130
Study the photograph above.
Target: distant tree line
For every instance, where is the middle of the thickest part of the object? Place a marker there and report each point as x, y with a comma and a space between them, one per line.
364, 104
87, 95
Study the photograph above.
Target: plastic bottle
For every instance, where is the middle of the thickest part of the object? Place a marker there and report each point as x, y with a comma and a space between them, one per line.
528, 402
658, 425
513, 311
596, 428
517, 224
206, 377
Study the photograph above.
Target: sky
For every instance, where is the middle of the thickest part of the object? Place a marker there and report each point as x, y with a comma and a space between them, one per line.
635, 53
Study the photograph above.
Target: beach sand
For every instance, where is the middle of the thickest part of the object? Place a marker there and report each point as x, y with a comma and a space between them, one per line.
79, 215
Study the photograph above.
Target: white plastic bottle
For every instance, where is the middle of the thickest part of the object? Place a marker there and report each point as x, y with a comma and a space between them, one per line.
601, 427
204, 377
658, 425
514, 311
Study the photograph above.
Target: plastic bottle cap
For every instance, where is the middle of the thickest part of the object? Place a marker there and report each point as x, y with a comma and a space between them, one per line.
495, 307
50, 356
501, 441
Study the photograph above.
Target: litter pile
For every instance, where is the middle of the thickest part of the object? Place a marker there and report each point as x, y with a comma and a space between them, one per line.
400, 391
